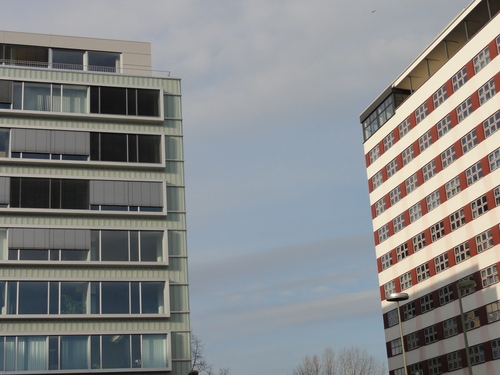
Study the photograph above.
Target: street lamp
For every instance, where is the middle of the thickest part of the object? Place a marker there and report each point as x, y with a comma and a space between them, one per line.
463, 285
397, 297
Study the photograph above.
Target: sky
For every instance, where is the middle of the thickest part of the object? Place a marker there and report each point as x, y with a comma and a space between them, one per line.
281, 254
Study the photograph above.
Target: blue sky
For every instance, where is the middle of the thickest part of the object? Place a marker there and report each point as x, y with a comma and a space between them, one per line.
279, 233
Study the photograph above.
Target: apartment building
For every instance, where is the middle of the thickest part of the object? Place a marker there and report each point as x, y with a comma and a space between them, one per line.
93, 261
432, 160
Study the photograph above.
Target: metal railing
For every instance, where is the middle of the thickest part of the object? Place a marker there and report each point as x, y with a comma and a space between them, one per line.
85, 68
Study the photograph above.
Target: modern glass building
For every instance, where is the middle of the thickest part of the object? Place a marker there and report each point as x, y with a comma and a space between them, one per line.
93, 261
432, 160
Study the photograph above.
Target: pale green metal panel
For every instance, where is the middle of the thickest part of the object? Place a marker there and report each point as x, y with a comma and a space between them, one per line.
173, 148
181, 345
175, 172
177, 243
179, 300
176, 322
174, 126
175, 198
172, 221
84, 272
177, 270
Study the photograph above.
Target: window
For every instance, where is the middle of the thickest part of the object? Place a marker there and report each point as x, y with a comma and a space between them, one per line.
395, 195
398, 222
374, 154
437, 231
445, 295
379, 206
81, 297
457, 219
49, 193
476, 354
377, 180
495, 348
489, 276
464, 292
430, 334
48, 97
84, 352
389, 141
412, 341
404, 127
378, 117
496, 194
441, 262
421, 112
405, 281
383, 233
409, 311
484, 241
474, 173
452, 187
4, 142
471, 320
392, 318
486, 91
433, 200
389, 288
454, 361
435, 366
491, 125
426, 303
416, 369
493, 311
124, 246
494, 159
469, 141
402, 251
124, 101
418, 242
396, 347
425, 141
481, 59
448, 156
411, 183
459, 79
415, 212
439, 96
443, 126
479, 206
423, 272
407, 155
392, 168
386, 260
103, 61
429, 170
125, 147
450, 327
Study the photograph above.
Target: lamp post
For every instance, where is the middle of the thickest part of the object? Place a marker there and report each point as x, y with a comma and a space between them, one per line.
397, 297
463, 285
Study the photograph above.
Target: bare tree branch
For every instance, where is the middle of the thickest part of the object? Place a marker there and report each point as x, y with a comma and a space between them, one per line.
350, 361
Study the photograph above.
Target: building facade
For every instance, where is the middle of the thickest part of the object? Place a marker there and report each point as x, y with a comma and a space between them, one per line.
431, 142
93, 261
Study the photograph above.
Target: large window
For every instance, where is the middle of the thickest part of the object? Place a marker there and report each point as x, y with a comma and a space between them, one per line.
124, 101
120, 245
31, 96
82, 297
84, 352
125, 147
28, 192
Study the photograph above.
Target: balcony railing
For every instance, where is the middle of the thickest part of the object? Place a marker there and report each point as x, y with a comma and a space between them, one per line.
80, 67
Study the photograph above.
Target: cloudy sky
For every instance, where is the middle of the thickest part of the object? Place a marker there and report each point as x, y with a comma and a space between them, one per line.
280, 239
